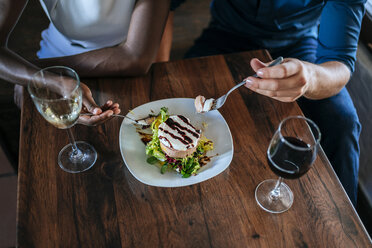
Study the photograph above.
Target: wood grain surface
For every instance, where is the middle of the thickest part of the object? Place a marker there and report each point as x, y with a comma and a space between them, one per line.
107, 207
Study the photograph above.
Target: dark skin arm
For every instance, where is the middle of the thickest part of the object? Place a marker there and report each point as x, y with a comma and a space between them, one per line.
17, 70
130, 58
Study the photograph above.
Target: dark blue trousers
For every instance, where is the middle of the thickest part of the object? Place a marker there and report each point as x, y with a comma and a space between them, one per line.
336, 116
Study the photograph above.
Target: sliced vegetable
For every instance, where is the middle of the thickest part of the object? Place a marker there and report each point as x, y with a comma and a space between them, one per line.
152, 160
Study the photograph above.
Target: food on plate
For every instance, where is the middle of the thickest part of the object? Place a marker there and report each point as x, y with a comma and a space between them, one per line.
202, 104
178, 138
145, 121
177, 145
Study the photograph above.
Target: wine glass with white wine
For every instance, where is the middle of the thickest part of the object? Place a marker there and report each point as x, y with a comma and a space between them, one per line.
57, 95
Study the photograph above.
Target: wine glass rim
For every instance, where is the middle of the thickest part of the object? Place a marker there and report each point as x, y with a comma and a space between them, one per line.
30, 91
317, 140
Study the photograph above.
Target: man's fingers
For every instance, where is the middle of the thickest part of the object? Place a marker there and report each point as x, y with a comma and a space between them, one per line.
286, 69
274, 84
257, 64
284, 96
285, 99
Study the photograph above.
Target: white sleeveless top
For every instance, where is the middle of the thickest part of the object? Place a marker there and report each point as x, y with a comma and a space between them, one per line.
78, 26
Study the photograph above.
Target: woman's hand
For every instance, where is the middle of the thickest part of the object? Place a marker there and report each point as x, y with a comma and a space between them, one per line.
100, 114
285, 82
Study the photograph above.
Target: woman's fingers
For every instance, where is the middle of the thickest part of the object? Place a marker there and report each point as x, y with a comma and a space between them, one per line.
88, 101
95, 119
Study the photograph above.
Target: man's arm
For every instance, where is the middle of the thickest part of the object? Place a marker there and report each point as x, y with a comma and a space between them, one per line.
132, 57
295, 78
336, 53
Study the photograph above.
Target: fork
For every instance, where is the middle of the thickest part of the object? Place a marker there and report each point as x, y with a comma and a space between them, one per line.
222, 99
144, 121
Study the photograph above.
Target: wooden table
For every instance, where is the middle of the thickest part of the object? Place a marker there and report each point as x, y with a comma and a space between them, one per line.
107, 207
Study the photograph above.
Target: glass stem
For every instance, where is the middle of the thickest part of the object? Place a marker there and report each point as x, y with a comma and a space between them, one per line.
75, 150
275, 193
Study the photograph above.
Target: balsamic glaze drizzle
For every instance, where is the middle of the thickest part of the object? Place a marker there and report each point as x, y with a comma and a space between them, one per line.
183, 131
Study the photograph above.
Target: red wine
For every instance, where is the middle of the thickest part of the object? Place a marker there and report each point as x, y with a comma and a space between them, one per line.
290, 163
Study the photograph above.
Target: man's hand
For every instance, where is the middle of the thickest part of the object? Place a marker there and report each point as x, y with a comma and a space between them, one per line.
101, 114
285, 82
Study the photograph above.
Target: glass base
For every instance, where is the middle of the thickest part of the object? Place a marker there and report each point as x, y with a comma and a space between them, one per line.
83, 160
271, 203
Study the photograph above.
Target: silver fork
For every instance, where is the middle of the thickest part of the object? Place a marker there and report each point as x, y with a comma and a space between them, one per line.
144, 121
222, 99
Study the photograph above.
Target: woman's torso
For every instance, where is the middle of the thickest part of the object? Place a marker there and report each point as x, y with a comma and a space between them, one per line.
84, 25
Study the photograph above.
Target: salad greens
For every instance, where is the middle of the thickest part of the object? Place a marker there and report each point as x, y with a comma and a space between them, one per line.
185, 166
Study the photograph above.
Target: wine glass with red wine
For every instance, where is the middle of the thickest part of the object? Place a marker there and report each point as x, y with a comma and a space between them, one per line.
291, 153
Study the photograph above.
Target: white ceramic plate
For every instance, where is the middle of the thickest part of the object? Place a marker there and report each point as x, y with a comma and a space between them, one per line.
133, 150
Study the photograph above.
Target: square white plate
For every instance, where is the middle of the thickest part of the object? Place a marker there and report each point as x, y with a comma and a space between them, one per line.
133, 149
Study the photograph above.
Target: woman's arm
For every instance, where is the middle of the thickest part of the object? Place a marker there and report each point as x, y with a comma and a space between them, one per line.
17, 70
132, 57
13, 68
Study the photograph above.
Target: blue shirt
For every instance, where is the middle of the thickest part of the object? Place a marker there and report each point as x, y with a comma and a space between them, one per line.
279, 23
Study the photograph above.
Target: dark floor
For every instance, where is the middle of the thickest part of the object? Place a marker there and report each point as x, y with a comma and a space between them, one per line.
190, 19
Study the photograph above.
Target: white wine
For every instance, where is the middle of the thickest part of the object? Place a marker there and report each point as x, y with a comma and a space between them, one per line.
61, 113
57, 95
